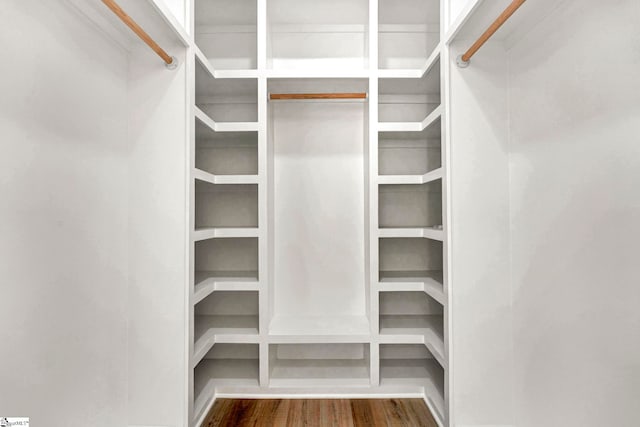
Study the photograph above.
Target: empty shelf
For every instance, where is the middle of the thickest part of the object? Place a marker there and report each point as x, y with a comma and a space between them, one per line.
224, 233
222, 74
426, 329
210, 330
415, 73
418, 232
431, 176
319, 328
423, 372
213, 373
411, 126
207, 282
319, 372
429, 282
224, 126
224, 179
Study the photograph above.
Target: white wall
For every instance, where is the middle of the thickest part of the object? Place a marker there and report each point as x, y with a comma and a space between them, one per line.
482, 385
63, 218
157, 344
575, 216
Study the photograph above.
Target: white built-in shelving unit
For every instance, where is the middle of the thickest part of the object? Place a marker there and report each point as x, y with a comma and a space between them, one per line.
318, 227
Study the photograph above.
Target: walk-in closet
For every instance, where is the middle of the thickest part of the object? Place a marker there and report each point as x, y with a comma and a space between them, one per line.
320, 199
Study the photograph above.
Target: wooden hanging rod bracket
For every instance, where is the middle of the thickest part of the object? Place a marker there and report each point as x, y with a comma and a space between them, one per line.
170, 61
291, 96
463, 60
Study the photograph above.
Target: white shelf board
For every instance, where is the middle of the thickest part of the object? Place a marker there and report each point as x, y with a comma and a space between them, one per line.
414, 329
318, 73
411, 126
224, 233
412, 232
319, 372
429, 282
222, 74
224, 126
214, 373
224, 179
409, 73
207, 282
210, 330
431, 176
309, 329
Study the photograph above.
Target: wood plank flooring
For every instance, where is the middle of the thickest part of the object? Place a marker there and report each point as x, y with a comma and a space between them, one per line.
319, 413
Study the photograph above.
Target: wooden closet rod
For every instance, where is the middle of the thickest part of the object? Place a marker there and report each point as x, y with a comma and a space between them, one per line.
170, 61
280, 96
463, 60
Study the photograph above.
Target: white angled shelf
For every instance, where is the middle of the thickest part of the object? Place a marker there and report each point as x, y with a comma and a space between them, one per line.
421, 372
215, 373
222, 74
412, 232
224, 179
224, 233
210, 330
415, 329
413, 73
207, 282
224, 126
431, 176
411, 126
429, 282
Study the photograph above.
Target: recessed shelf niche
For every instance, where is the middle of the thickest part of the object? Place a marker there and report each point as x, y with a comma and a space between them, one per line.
328, 365
226, 153
410, 205
226, 205
318, 35
410, 100
229, 260
226, 99
225, 31
408, 32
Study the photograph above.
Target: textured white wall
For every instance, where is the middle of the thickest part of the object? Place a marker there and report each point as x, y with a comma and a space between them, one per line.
575, 216
63, 218
482, 383
157, 246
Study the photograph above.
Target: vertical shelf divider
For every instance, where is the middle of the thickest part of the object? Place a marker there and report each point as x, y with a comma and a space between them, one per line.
373, 193
263, 193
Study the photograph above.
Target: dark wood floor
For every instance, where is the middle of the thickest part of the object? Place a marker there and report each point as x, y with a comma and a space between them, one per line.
319, 413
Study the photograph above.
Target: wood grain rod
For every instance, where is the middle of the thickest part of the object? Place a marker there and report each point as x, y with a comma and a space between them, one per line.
357, 95
129, 22
504, 16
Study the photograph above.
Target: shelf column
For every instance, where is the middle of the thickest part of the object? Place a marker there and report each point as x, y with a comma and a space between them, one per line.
373, 194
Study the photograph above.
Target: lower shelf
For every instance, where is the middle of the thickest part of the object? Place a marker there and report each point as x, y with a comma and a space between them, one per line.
318, 365
426, 373
313, 373
213, 373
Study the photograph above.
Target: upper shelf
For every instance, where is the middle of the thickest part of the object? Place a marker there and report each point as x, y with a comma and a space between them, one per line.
408, 33
226, 34
318, 35
154, 16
